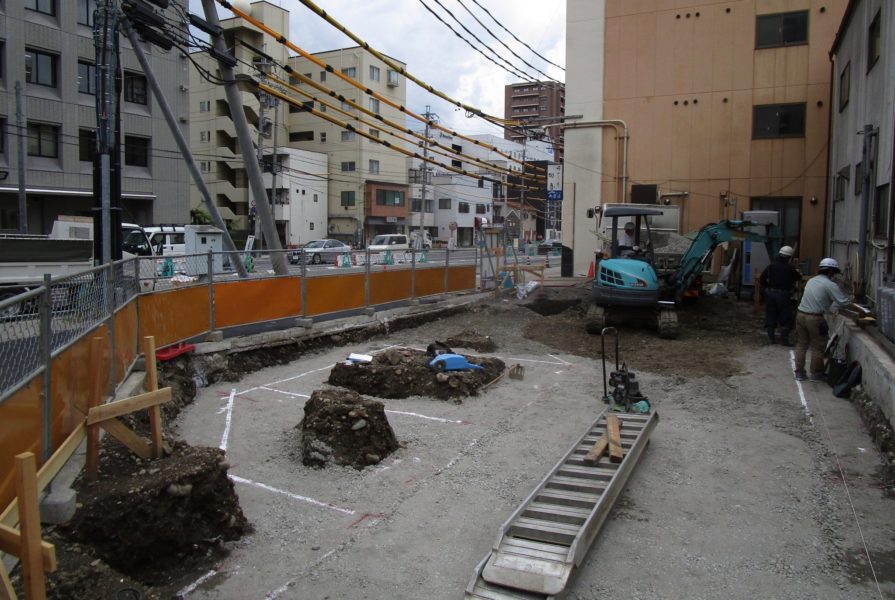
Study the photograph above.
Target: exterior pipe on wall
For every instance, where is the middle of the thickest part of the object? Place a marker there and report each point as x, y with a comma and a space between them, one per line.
616, 123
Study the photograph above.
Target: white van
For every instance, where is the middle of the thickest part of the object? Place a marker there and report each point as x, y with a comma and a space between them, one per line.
427, 239
389, 241
166, 240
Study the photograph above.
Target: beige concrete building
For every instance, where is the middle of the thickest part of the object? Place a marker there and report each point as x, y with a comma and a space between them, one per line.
536, 104
368, 189
726, 106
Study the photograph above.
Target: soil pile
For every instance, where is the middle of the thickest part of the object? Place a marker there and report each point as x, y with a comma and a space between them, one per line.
470, 338
344, 428
165, 513
404, 373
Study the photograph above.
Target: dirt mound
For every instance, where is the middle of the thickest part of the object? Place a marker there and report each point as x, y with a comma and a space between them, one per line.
553, 301
404, 373
343, 427
470, 338
168, 511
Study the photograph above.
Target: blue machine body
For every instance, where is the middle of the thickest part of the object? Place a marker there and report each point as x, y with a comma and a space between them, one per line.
451, 362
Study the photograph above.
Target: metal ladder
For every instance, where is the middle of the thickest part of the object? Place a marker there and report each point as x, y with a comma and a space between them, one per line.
551, 531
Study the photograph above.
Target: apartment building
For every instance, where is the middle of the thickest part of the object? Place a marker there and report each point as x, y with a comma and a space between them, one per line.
537, 104
368, 189
46, 46
725, 104
300, 183
861, 230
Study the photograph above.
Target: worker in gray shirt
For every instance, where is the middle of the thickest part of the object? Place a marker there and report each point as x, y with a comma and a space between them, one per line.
820, 293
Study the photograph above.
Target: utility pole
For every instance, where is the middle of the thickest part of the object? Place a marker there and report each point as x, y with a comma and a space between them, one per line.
105, 39
431, 118
274, 164
20, 145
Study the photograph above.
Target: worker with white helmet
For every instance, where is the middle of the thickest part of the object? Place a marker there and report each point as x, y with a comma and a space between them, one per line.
820, 294
778, 281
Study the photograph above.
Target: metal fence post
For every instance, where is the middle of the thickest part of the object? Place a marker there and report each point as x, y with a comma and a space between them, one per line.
304, 282
46, 354
367, 279
413, 274
447, 265
211, 323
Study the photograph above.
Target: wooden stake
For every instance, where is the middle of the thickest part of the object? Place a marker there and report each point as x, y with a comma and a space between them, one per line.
126, 436
94, 400
29, 524
155, 412
6, 590
593, 457
613, 429
11, 543
126, 406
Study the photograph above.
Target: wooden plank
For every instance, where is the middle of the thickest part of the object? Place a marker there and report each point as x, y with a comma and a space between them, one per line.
118, 408
29, 525
613, 427
11, 543
6, 590
593, 457
135, 443
49, 470
155, 413
94, 400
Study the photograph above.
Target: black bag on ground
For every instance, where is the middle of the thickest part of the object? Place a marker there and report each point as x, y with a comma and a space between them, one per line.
437, 348
836, 370
851, 378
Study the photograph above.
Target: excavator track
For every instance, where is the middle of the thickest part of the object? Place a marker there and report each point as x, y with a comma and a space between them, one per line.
550, 533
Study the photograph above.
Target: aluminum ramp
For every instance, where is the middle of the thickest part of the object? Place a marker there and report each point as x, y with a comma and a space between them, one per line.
551, 531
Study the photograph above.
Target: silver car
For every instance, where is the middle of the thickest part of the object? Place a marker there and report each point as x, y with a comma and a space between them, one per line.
319, 251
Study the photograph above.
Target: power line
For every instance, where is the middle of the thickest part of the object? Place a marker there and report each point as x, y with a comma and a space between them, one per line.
501, 25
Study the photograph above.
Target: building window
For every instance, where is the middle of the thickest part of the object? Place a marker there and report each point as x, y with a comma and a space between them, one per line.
463, 207
134, 88
47, 7
374, 105
204, 106
136, 151
301, 136
347, 166
415, 204
322, 137
347, 198
778, 120
842, 180
40, 67
859, 179
374, 73
374, 167
480, 209
322, 75
315, 197
348, 136
881, 212
43, 140
205, 166
86, 77
374, 133
204, 136
294, 109
3, 135
444, 204
350, 72
428, 204
873, 42
294, 81
844, 86
86, 145
85, 12
389, 198
781, 29
311, 226
392, 77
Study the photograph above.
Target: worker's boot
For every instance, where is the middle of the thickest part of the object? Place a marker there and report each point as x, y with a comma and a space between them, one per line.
771, 336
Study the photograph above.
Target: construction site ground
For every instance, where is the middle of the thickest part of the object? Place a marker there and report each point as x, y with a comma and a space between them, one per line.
754, 485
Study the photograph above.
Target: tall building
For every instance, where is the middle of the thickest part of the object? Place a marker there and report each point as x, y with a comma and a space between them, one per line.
726, 106
47, 47
539, 104
368, 190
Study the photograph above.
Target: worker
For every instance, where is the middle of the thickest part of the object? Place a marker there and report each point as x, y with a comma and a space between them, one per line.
820, 294
778, 282
626, 242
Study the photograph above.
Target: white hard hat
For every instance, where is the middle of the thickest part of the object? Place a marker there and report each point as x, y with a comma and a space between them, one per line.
829, 263
786, 251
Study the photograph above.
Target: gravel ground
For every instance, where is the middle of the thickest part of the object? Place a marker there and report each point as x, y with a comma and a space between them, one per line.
740, 494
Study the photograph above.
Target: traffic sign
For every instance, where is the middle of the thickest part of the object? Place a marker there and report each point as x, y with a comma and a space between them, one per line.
554, 194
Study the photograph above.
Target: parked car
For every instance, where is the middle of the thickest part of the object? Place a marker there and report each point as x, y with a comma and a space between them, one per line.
166, 239
319, 251
389, 241
427, 239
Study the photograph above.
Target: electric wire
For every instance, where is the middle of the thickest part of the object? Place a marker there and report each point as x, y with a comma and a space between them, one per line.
535, 52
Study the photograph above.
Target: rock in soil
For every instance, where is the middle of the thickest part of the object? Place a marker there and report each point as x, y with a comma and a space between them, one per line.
404, 373
169, 511
470, 338
344, 428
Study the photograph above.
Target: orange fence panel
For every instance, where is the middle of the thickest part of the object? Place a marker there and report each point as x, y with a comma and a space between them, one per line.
388, 286
127, 342
331, 294
70, 374
241, 302
430, 281
461, 278
174, 315
19, 432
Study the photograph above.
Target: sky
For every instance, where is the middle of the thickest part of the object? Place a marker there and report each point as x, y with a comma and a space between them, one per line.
406, 31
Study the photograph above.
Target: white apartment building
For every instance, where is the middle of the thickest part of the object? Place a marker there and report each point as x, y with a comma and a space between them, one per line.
301, 181
368, 190
458, 200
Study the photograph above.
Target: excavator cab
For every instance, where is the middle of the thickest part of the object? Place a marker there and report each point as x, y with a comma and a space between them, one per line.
624, 243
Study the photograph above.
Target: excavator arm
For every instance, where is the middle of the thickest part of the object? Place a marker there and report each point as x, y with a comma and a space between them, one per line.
710, 237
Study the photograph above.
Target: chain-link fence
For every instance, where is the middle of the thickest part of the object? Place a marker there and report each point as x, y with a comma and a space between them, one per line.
20, 338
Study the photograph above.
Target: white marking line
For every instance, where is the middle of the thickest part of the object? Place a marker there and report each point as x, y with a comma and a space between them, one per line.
560, 360
229, 418
300, 375
792, 360
293, 394
269, 488
283, 588
412, 414
192, 587
543, 362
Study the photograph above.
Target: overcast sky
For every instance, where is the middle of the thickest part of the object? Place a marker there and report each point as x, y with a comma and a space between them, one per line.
406, 31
